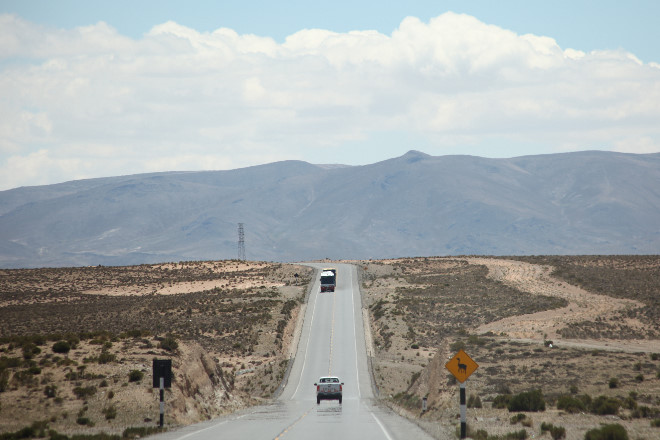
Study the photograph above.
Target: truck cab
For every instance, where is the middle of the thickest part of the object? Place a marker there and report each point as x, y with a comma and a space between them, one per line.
328, 280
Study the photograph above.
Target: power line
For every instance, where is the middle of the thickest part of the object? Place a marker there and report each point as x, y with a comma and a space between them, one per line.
241, 242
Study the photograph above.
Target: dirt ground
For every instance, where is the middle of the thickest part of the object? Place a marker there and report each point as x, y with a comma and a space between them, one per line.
232, 323
567, 326
510, 317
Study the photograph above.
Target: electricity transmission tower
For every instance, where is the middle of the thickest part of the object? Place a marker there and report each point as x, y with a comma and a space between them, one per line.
241, 242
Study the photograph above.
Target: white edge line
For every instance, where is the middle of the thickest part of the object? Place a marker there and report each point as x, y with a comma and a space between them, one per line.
357, 369
381, 426
311, 322
206, 429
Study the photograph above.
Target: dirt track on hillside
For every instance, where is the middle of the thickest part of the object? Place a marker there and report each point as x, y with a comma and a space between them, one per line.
582, 306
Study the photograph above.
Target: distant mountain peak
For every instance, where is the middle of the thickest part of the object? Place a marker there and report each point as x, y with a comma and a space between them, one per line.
412, 205
414, 156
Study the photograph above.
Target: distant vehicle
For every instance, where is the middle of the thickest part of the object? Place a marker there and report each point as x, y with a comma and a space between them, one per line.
328, 280
329, 388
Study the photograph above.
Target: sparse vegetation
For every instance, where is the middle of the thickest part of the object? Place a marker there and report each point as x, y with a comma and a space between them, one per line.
556, 432
446, 300
135, 376
61, 347
527, 401
608, 432
66, 333
571, 404
474, 401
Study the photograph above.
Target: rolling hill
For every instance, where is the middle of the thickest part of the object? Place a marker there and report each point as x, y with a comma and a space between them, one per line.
588, 202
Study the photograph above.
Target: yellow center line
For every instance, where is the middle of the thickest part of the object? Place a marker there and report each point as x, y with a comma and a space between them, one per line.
288, 428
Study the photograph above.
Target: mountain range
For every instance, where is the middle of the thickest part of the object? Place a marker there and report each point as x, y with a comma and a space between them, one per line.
589, 202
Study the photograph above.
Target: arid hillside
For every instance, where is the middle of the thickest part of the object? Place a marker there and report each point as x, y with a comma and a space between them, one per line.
77, 344
581, 333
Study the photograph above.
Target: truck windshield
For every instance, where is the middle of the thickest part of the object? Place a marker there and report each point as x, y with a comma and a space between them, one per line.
327, 280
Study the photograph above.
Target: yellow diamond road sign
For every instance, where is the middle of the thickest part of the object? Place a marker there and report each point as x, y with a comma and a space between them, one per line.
461, 366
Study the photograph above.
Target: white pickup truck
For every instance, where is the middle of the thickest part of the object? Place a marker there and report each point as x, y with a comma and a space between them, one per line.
328, 388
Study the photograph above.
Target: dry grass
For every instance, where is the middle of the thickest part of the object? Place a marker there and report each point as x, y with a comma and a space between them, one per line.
228, 342
423, 310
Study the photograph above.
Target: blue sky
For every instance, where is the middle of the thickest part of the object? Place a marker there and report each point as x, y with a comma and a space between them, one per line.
94, 89
580, 24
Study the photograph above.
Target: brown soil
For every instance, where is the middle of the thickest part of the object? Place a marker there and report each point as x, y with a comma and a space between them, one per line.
233, 322
511, 316
236, 323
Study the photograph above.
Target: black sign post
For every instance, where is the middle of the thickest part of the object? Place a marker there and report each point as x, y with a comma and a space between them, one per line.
162, 378
462, 366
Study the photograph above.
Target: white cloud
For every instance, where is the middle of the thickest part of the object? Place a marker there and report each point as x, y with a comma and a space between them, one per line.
90, 102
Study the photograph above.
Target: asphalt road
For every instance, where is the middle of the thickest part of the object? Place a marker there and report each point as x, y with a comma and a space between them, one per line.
331, 343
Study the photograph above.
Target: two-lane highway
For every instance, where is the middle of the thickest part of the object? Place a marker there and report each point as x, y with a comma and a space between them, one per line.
331, 343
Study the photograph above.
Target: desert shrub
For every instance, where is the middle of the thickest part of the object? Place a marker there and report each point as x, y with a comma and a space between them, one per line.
106, 357
527, 401
406, 400
476, 340
556, 432
50, 391
570, 404
84, 421
36, 430
655, 423
24, 378
643, 412
474, 401
169, 343
135, 376
639, 378
30, 350
614, 382
415, 346
139, 432
25, 433
517, 418
655, 356
501, 401
10, 362
110, 412
629, 403
84, 392
481, 434
458, 345
607, 432
414, 378
61, 347
604, 405
517, 435
4, 380
378, 310
586, 399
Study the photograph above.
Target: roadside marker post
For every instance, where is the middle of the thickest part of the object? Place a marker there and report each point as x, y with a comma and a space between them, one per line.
162, 378
462, 366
